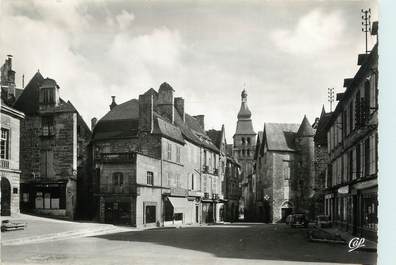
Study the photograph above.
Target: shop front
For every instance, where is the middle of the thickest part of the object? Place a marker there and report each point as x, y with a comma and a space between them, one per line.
367, 209
44, 198
178, 211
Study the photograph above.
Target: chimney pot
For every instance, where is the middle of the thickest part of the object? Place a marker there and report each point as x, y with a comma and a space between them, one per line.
93, 123
113, 103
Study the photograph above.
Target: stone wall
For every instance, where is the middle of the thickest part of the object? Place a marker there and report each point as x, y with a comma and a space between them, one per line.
282, 189
57, 150
11, 171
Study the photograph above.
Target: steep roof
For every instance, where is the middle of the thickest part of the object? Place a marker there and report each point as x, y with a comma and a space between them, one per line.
120, 122
126, 110
167, 130
305, 128
112, 129
28, 101
321, 132
280, 136
215, 136
258, 143
245, 127
229, 149
123, 122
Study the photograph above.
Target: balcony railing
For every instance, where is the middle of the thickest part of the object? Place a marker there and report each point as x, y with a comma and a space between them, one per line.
117, 157
116, 189
4, 163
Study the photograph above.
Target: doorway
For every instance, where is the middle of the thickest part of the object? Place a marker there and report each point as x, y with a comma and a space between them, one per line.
5, 197
197, 214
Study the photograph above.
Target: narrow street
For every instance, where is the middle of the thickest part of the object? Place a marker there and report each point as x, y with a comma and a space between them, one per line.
217, 244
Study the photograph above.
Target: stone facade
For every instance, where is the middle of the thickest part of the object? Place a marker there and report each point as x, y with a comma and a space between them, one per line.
54, 141
232, 191
284, 171
9, 160
180, 178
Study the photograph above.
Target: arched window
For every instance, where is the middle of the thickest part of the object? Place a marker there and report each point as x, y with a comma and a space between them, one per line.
248, 140
243, 140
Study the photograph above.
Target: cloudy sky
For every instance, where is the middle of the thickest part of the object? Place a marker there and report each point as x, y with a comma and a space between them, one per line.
286, 53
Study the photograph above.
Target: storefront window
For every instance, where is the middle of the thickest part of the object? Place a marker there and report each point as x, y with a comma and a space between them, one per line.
370, 211
150, 214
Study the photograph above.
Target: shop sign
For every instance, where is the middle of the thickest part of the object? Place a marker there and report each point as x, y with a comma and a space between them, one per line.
343, 190
178, 191
195, 193
366, 184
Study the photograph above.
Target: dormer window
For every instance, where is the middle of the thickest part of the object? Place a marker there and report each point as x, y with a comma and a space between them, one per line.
48, 95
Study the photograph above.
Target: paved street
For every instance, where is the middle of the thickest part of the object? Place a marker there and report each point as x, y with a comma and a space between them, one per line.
218, 244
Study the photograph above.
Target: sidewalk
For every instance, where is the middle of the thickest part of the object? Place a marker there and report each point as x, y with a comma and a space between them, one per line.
41, 229
369, 245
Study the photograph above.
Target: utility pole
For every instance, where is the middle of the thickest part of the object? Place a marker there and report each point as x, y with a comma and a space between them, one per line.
330, 93
366, 28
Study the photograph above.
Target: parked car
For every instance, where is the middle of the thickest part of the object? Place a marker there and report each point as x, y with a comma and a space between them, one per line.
323, 221
297, 220
6, 225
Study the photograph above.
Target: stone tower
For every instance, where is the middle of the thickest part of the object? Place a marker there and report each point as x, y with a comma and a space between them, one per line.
305, 165
243, 149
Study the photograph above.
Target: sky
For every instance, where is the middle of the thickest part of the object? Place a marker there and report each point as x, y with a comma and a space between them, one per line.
285, 53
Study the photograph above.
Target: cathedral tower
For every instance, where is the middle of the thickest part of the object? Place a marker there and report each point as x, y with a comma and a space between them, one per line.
243, 149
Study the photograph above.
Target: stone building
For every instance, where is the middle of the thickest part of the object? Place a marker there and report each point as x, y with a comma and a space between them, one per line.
54, 141
232, 192
352, 135
243, 151
9, 159
170, 169
321, 162
219, 140
284, 170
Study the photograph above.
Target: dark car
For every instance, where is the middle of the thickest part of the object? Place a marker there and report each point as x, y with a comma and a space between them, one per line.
6, 225
297, 220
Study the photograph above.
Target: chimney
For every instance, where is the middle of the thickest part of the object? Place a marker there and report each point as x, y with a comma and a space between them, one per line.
9, 60
165, 102
179, 106
201, 120
146, 113
113, 103
93, 123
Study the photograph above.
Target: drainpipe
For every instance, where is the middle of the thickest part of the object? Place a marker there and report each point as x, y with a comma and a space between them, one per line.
161, 204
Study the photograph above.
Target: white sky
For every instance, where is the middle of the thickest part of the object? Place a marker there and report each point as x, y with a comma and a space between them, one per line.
287, 52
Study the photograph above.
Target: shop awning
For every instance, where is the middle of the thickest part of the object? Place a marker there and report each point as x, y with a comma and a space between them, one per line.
179, 204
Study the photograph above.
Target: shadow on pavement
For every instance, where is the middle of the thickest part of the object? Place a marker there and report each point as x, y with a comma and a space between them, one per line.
248, 241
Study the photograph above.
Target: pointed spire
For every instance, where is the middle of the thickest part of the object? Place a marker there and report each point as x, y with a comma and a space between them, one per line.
323, 111
305, 128
244, 112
